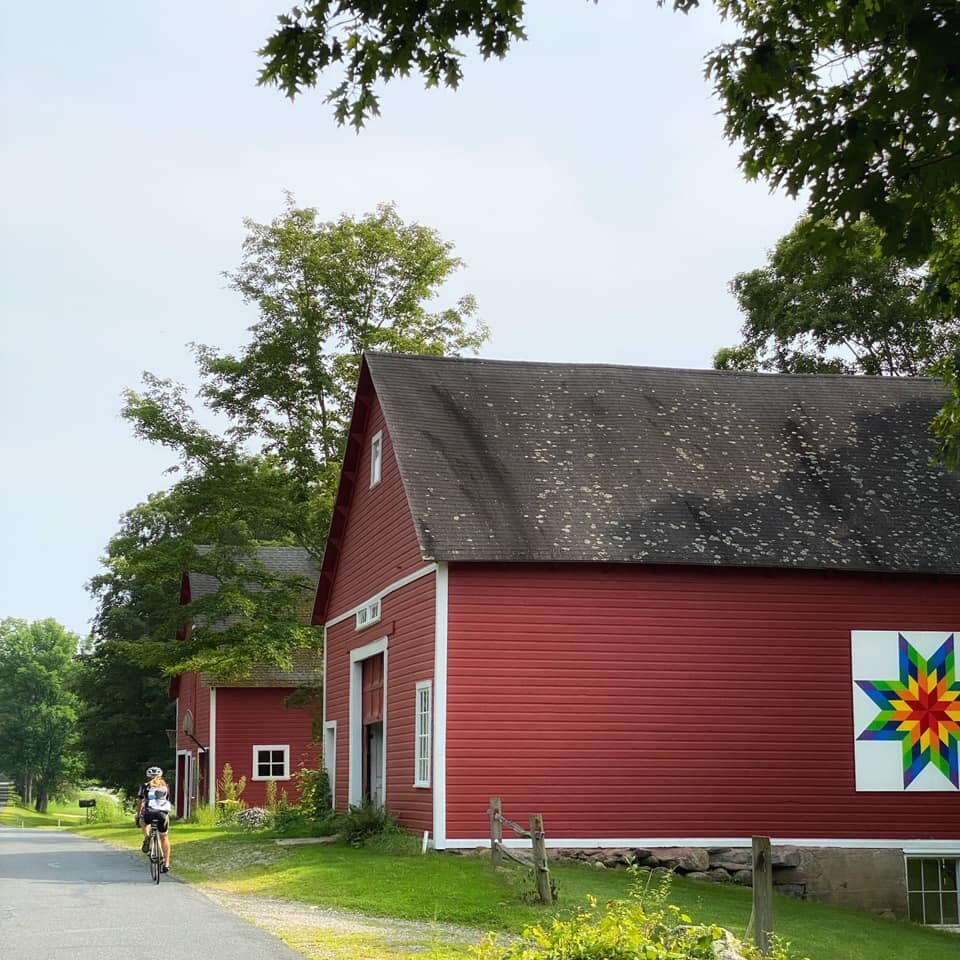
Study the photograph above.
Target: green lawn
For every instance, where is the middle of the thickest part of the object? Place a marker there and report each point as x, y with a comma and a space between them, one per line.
464, 890
65, 813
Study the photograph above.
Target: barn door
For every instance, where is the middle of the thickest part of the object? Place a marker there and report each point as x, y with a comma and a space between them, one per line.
373, 753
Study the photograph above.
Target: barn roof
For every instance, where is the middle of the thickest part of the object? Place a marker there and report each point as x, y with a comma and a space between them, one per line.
306, 664
507, 461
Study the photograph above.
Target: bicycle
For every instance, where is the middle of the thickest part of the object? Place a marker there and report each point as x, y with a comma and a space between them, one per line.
157, 861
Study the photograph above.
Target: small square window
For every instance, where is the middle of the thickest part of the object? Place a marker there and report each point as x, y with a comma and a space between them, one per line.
271, 762
376, 458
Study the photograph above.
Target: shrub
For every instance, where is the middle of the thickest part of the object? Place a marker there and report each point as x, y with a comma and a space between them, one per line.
228, 790
271, 800
366, 822
642, 926
313, 786
254, 818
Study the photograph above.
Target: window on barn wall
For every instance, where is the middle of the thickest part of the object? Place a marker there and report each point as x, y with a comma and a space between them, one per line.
368, 613
423, 732
376, 458
932, 890
271, 761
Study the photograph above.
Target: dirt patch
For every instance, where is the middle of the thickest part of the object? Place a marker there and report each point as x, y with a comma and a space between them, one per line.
325, 934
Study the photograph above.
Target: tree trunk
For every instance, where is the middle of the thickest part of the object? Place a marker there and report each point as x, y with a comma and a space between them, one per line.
42, 800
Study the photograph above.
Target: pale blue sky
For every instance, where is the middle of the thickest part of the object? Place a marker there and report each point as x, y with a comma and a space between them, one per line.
585, 181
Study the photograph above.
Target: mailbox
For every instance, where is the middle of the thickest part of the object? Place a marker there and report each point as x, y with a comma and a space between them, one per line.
88, 803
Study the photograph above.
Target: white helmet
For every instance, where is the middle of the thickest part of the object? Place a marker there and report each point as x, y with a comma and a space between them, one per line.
154, 772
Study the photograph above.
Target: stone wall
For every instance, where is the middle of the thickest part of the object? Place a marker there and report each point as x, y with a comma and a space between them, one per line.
868, 879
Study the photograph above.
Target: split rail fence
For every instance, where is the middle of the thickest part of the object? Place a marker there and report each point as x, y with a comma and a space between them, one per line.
538, 844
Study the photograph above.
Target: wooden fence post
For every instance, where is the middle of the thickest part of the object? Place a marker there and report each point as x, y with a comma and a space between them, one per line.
496, 831
540, 868
762, 894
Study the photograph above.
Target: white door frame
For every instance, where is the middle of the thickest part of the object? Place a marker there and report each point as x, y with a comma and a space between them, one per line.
357, 656
184, 788
330, 757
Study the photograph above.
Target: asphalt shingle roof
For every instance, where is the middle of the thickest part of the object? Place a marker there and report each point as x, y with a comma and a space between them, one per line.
506, 461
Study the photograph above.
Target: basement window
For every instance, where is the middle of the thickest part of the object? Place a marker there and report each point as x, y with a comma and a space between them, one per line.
932, 890
271, 761
376, 458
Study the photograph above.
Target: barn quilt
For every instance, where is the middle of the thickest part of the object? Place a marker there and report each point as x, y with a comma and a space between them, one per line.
906, 710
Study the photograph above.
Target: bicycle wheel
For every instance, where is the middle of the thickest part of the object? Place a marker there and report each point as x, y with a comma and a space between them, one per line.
156, 855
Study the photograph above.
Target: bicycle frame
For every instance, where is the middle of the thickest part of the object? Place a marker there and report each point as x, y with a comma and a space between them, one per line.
157, 861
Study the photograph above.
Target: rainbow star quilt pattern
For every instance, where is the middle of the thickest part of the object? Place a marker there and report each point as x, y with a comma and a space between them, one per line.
916, 706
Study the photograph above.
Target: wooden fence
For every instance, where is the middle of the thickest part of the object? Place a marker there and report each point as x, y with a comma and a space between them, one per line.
538, 862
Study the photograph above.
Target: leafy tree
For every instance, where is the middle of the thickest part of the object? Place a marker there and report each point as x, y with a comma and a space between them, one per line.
126, 706
830, 300
380, 41
324, 291
38, 707
857, 101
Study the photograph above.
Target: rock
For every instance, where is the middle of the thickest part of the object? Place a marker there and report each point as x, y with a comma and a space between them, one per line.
732, 860
698, 875
682, 859
727, 947
658, 873
784, 857
719, 875
599, 865
743, 877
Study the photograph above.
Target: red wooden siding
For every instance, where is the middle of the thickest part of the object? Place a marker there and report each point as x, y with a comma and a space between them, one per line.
408, 622
673, 702
248, 716
379, 541
194, 695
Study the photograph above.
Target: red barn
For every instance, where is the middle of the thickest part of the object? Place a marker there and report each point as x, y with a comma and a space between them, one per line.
245, 722
662, 607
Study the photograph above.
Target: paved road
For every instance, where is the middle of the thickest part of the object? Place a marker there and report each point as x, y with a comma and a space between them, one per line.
65, 896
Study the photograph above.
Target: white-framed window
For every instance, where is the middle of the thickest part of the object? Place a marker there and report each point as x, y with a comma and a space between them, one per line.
376, 458
933, 890
424, 728
271, 761
368, 613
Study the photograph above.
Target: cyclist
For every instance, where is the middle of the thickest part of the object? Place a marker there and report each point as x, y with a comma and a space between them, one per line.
154, 797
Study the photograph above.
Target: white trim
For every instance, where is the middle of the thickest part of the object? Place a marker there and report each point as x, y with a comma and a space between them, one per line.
183, 788
909, 847
330, 758
285, 747
211, 751
396, 585
440, 709
419, 782
376, 460
323, 702
357, 656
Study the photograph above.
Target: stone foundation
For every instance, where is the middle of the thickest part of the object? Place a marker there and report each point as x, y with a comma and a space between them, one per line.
867, 879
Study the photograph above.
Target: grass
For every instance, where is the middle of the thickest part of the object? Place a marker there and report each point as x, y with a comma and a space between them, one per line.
442, 888
65, 813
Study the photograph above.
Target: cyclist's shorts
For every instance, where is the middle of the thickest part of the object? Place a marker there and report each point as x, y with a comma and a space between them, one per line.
159, 817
